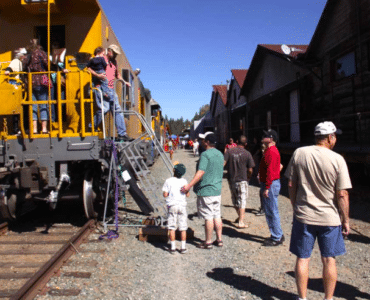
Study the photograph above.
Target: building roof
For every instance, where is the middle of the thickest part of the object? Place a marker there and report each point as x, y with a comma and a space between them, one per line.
320, 28
295, 49
239, 75
270, 49
222, 91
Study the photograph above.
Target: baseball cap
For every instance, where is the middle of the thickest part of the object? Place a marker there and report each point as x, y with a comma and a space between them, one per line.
270, 134
325, 128
115, 49
203, 135
180, 169
211, 138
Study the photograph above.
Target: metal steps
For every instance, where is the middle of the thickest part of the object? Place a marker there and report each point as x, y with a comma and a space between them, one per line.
129, 158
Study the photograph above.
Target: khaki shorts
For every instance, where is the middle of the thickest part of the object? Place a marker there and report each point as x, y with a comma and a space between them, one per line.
239, 193
209, 207
177, 218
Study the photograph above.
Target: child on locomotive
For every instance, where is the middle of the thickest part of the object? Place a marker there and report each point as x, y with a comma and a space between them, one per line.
99, 65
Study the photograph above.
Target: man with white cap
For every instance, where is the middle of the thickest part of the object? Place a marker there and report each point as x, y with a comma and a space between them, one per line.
113, 105
318, 183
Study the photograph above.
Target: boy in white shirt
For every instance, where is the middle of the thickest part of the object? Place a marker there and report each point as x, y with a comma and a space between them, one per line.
176, 204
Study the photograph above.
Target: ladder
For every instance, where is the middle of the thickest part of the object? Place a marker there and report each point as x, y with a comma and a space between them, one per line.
129, 157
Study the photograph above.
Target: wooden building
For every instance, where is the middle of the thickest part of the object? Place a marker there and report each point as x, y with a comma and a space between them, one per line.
338, 87
236, 105
272, 90
220, 114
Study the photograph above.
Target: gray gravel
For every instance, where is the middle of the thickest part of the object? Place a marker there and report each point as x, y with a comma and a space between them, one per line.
242, 269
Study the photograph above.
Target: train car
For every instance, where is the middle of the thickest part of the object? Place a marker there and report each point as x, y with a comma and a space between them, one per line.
71, 161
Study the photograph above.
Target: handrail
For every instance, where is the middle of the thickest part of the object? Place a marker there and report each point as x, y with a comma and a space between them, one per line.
103, 119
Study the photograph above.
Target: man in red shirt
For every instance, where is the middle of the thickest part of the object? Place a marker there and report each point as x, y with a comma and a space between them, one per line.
269, 173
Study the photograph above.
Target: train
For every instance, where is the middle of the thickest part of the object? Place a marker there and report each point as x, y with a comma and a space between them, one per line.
72, 160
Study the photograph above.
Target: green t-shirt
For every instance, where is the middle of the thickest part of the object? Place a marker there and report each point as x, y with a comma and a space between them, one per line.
212, 163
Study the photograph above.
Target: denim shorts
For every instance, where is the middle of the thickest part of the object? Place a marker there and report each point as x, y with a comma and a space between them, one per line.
303, 238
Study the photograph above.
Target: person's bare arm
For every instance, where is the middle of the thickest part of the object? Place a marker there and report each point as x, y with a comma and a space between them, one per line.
249, 173
292, 189
343, 205
198, 176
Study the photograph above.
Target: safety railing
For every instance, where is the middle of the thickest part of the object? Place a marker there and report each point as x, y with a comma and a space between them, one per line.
75, 105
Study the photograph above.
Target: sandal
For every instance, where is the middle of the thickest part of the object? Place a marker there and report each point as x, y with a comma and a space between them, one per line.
205, 245
218, 243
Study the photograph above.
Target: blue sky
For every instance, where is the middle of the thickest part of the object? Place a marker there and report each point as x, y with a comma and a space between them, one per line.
185, 47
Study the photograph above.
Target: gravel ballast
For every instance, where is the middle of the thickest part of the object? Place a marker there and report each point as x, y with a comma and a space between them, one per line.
242, 269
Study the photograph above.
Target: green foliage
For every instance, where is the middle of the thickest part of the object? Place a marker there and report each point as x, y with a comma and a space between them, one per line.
202, 111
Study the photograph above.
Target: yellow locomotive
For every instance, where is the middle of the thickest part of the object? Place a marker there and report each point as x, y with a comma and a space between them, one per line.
70, 159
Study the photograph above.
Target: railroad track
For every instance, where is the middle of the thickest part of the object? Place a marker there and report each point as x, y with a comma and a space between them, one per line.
28, 259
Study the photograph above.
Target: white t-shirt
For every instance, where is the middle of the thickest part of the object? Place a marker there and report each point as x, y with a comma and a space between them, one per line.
16, 66
195, 145
172, 186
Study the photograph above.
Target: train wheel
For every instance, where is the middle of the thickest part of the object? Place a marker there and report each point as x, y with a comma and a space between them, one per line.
8, 206
89, 196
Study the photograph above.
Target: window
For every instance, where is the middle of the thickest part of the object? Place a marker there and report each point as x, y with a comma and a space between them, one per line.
344, 66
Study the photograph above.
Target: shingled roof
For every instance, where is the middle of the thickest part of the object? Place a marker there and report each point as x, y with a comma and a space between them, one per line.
297, 49
239, 75
222, 90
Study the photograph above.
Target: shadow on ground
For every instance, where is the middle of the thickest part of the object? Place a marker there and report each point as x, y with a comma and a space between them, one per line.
248, 284
342, 290
233, 233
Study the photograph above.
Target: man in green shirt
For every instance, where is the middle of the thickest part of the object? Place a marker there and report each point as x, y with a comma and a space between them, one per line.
207, 184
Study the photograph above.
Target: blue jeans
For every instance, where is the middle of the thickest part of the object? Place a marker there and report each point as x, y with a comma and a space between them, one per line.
54, 107
103, 85
112, 105
40, 92
271, 207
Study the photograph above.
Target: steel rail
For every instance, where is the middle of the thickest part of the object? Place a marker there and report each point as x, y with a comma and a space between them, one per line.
3, 228
37, 282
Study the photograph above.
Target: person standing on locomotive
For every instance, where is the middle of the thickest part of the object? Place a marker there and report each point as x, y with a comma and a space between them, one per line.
38, 62
109, 103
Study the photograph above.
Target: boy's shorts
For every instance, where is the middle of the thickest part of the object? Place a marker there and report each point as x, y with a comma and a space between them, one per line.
209, 207
303, 238
239, 193
177, 217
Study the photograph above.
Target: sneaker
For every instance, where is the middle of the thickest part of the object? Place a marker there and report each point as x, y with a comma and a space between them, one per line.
124, 138
261, 212
172, 251
183, 251
271, 243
